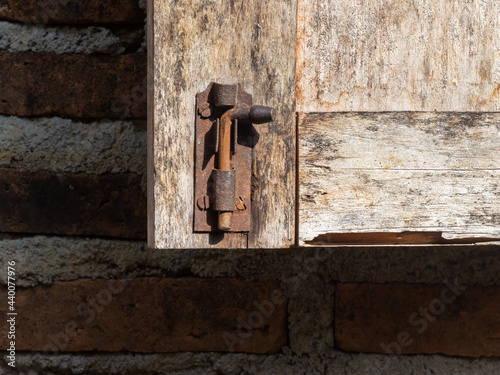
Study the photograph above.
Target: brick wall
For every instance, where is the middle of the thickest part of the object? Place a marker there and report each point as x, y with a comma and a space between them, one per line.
93, 299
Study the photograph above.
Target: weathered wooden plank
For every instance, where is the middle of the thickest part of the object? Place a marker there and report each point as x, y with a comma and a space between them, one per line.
398, 55
399, 172
149, 315
110, 205
81, 86
246, 42
450, 319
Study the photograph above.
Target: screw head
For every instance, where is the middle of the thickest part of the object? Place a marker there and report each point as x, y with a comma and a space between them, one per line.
242, 203
203, 203
204, 110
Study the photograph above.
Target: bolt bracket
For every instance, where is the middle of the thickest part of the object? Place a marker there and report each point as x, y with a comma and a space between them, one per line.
211, 104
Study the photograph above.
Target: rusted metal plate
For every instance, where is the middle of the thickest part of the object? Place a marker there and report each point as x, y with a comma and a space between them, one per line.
205, 218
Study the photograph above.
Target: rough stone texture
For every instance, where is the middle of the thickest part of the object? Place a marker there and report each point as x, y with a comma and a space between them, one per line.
149, 315
46, 259
63, 145
81, 86
60, 40
143, 4
248, 364
307, 279
72, 11
450, 319
473, 265
72, 204
307, 276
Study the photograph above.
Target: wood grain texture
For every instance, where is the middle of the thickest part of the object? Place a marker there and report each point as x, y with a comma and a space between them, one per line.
398, 172
449, 319
192, 44
398, 55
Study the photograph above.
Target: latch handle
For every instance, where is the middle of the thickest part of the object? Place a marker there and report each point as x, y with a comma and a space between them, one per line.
260, 114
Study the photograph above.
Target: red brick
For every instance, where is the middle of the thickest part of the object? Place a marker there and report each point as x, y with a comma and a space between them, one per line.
74, 86
72, 11
146, 315
111, 205
389, 318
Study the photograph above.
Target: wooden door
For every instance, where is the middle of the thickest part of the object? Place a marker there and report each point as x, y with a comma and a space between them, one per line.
387, 107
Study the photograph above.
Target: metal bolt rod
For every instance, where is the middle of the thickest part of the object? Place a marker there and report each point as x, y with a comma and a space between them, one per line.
224, 156
241, 111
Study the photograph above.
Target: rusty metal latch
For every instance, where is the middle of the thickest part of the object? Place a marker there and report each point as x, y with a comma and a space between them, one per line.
225, 138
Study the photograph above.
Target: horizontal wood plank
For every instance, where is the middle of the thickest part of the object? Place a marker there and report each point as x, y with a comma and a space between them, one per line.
79, 12
400, 172
149, 315
75, 86
251, 43
398, 55
449, 319
110, 205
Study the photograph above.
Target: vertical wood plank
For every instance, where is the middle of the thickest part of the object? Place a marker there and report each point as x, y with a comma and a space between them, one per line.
191, 44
